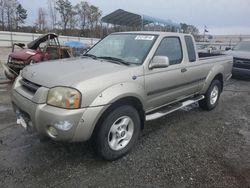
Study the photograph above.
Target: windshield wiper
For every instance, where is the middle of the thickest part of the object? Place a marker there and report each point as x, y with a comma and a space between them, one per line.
90, 55
114, 59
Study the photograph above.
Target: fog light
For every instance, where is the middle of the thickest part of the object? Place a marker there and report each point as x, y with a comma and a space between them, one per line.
52, 131
64, 125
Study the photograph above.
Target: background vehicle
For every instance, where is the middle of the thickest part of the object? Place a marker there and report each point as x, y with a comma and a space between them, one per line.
122, 81
241, 55
46, 47
206, 48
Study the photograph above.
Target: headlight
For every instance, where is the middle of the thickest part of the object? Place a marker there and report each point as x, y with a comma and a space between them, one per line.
64, 97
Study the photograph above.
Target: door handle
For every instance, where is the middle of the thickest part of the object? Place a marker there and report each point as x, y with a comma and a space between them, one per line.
184, 70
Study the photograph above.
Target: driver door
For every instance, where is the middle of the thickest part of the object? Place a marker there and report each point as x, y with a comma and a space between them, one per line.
164, 85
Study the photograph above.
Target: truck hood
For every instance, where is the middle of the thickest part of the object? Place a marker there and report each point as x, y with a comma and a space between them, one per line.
23, 55
68, 72
238, 54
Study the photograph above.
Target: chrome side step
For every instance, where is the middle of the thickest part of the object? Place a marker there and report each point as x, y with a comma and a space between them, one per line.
172, 108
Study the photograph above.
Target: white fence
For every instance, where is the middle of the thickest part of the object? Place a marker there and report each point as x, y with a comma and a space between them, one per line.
219, 46
8, 38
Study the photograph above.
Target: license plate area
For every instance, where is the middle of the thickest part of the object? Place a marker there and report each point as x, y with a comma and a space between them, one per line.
20, 121
23, 119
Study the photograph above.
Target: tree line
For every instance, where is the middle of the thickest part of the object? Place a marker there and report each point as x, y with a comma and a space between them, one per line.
82, 19
61, 16
12, 14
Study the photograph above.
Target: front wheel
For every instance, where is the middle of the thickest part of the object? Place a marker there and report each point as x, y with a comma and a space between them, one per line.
118, 133
211, 96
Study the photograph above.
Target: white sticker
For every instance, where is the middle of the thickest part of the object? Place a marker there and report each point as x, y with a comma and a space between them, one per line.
144, 37
30, 53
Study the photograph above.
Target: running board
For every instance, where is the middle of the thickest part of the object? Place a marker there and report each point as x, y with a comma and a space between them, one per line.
170, 109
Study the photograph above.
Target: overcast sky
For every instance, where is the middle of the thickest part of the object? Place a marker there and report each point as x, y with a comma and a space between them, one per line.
220, 16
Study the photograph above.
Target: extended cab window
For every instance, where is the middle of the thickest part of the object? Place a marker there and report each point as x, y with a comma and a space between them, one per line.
190, 48
170, 47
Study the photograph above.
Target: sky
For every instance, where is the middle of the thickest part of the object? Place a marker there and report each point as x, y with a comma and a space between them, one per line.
222, 17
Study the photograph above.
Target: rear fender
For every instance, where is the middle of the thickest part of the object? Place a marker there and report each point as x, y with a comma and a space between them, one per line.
216, 70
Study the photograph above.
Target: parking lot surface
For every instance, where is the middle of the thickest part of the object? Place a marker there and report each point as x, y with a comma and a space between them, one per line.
188, 148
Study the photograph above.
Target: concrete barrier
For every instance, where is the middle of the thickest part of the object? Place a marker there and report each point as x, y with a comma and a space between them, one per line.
8, 38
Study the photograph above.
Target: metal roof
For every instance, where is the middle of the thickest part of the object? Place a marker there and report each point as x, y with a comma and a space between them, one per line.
125, 18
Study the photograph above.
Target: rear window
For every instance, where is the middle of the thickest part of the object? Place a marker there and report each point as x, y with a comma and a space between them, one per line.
190, 48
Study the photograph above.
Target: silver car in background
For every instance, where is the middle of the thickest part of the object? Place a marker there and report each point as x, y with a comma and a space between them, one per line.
241, 55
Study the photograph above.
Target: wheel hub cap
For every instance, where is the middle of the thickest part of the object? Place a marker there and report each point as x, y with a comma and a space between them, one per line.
214, 95
120, 133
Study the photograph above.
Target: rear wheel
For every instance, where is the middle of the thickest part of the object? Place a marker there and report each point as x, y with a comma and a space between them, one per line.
212, 96
118, 133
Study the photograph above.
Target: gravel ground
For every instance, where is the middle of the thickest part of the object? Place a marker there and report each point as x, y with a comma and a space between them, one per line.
188, 148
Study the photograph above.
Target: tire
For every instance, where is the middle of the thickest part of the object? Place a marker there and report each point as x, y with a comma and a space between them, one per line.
117, 134
212, 96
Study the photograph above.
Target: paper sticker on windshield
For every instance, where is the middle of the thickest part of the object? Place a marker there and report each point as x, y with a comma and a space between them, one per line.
144, 37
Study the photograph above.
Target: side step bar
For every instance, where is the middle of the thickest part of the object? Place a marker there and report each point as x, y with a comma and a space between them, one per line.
170, 109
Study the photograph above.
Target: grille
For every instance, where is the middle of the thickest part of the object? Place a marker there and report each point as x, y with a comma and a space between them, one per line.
242, 63
29, 85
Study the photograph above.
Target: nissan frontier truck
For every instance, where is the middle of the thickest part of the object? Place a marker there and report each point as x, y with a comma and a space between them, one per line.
107, 95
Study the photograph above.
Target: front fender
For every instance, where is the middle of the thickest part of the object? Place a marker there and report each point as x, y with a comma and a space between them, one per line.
119, 91
216, 70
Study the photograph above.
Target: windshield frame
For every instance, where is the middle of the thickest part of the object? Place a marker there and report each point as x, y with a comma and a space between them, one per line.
128, 33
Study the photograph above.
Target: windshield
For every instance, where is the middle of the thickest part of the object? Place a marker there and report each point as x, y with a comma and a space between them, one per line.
130, 48
243, 46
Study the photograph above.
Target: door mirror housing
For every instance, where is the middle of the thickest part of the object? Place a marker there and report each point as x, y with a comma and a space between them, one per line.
159, 62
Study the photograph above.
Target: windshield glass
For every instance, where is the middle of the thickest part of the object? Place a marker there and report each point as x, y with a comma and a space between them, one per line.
243, 46
130, 48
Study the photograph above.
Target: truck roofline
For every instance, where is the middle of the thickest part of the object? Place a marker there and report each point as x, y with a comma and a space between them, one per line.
154, 33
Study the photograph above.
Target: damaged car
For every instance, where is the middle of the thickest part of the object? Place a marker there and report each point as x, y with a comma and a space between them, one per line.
44, 48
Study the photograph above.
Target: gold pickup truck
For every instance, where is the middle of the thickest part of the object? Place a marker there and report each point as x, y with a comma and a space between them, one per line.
124, 80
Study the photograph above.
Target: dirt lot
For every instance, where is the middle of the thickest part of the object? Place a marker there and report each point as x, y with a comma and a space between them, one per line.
189, 148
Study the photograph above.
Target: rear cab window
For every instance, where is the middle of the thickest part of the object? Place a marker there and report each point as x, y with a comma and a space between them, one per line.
190, 48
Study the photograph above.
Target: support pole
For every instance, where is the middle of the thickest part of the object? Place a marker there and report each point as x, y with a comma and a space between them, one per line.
142, 24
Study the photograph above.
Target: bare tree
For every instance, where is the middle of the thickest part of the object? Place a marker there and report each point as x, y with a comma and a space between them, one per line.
83, 9
10, 9
21, 15
52, 13
94, 16
72, 19
65, 10
41, 21
190, 29
12, 14
2, 12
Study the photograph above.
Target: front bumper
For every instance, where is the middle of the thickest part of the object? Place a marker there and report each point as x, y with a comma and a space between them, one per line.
241, 72
43, 116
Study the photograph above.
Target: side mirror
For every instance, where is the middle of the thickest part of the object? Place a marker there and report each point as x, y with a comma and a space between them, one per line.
228, 48
159, 62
